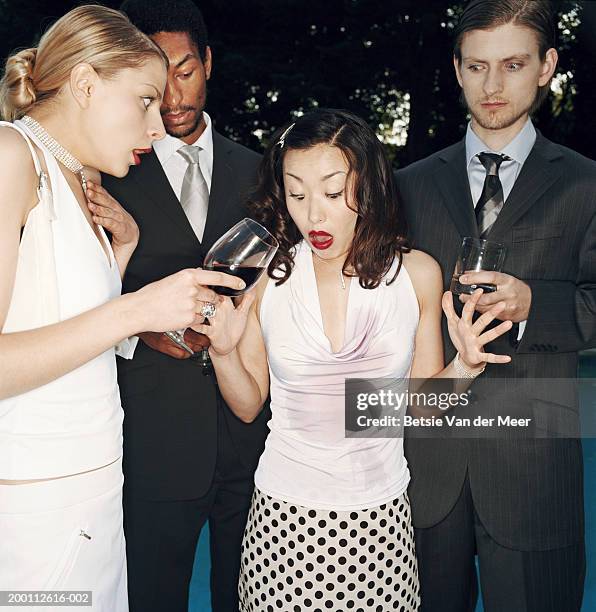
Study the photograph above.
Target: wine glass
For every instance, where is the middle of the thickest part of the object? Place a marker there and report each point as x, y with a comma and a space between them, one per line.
245, 251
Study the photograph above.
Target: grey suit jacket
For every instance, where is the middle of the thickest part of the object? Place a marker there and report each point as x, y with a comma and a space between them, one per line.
528, 493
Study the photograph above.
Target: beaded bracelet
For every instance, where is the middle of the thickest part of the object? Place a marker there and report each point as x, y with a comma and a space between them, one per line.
462, 370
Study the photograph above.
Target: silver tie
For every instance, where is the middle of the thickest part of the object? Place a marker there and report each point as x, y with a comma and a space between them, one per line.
194, 197
491, 199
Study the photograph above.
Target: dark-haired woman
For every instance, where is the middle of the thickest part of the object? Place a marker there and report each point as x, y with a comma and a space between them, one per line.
329, 526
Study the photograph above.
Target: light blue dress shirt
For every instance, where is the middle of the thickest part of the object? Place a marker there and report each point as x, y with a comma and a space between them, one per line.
518, 150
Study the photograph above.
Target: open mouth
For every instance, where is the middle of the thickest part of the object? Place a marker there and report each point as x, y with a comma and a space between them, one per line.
136, 154
320, 240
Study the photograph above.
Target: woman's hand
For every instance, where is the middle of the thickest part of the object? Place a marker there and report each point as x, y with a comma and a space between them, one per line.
108, 213
175, 302
227, 326
467, 336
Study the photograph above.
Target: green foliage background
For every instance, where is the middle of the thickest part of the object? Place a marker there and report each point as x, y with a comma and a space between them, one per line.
389, 61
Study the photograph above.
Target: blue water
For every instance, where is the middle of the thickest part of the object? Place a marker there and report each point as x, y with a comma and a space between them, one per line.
199, 588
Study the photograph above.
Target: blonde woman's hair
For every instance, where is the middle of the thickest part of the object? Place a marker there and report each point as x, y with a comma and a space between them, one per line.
99, 36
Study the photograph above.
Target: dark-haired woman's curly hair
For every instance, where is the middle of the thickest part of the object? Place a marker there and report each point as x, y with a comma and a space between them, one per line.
380, 234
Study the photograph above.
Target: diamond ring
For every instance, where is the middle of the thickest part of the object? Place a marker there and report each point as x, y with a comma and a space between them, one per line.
208, 310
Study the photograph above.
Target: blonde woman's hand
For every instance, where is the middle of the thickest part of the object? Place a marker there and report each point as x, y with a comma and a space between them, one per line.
108, 213
175, 302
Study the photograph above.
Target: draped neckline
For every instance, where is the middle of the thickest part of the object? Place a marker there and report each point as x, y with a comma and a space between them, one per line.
361, 310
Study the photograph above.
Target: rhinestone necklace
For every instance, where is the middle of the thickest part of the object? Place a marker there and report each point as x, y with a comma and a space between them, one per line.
57, 150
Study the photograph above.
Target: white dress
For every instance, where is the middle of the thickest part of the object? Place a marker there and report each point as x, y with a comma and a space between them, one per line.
329, 526
65, 533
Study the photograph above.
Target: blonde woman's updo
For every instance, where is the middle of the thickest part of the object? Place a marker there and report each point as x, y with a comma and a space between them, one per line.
92, 34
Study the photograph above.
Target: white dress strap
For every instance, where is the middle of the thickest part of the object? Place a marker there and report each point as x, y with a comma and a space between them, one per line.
36, 251
44, 192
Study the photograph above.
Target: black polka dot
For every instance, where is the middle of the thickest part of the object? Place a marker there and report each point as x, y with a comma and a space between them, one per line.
303, 546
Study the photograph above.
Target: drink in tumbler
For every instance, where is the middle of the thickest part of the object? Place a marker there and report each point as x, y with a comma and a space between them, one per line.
475, 255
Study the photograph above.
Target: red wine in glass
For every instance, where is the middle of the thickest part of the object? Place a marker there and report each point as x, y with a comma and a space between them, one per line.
245, 251
249, 274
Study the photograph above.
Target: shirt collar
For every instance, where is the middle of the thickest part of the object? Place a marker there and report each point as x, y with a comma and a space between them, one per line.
167, 146
518, 149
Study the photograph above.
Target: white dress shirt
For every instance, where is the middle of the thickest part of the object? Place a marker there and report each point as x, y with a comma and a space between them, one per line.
518, 150
175, 166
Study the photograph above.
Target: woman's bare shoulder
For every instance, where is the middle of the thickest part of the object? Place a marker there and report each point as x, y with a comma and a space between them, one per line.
18, 178
421, 263
425, 273
14, 150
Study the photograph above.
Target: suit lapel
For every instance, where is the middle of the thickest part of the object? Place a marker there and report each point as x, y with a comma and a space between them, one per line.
538, 174
219, 197
153, 182
454, 185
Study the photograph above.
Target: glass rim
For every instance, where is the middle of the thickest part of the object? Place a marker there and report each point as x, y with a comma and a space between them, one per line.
483, 242
272, 239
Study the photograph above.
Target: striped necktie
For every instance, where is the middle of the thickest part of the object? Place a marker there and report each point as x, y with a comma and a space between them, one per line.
491, 199
194, 197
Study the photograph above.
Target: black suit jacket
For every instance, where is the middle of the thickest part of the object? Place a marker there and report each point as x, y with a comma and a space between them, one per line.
171, 408
528, 493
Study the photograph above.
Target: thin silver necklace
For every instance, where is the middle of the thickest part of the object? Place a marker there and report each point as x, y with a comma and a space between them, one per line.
341, 272
68, 160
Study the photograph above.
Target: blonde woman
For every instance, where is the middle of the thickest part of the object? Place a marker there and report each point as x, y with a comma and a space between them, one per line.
88, 96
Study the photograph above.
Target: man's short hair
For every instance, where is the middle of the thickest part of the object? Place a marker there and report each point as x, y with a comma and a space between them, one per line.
169, 16
537, 15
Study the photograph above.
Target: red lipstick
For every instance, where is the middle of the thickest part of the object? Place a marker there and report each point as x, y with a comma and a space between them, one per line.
137, 154
320, 240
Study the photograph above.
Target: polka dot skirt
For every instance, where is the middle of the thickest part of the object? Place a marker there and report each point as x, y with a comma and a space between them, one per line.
300, 560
